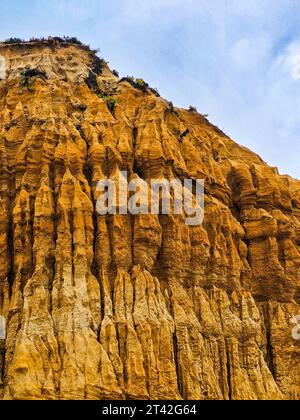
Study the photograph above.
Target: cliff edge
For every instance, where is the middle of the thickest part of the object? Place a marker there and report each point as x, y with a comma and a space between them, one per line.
138, 307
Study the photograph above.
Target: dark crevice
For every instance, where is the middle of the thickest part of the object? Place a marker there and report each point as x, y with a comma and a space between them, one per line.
132, 223
228, 373
2, 361
94, 266
112, 272
88, 173
11, 252
184, 134
82, 135
31, 223
297, 296
91, 81
95, 269
134, 134
102, 306
178, 373
176, 359
248, 259
270, 354
137, 170
55, 218
71, 224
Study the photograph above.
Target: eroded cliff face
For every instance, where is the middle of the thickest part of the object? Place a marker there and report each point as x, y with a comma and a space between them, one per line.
144, 306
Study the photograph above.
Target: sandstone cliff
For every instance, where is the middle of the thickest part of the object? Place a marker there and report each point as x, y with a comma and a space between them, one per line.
128, 306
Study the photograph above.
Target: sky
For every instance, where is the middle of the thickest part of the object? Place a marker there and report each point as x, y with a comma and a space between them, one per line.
236, 60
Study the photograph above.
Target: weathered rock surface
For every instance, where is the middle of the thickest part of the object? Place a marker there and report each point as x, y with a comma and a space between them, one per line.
126, 306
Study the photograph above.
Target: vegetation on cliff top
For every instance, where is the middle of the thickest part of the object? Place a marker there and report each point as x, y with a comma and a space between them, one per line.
139, 84
97, 63
49, 40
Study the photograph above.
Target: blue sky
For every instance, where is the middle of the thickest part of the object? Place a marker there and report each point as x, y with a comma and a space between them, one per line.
232, 59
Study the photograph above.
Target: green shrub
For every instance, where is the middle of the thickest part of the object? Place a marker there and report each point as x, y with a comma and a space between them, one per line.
29, 75
91, 81
172, 109
82, 107
184, 134
155, 91
52, 41
13, 41
109, 99
97, 63
111, 103
139, 84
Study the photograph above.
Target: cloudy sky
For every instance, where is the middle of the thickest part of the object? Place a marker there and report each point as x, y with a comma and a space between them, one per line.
236, 60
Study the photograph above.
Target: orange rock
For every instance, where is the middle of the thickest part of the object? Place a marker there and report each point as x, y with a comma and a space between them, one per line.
137, 307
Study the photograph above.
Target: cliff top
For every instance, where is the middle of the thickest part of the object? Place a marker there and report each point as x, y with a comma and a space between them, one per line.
50, 41
69, 59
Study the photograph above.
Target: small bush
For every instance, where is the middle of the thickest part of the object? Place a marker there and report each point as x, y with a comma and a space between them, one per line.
111, 103
184, 134
29, 75
139, 84
91, 81
57, 39
115, 73
82, 107
192, 108
72, 40
136, 83
64, 40
33, 40
155, 91
13, 41
109, 99
97, 63
172, 109
29, 72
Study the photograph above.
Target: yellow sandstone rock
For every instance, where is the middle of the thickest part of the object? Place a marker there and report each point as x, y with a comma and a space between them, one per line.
138, 307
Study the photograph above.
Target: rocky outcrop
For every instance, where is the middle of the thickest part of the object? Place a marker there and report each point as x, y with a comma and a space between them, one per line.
138, 307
